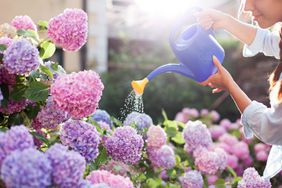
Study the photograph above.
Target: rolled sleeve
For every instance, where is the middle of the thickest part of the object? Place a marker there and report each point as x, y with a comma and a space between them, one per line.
266, 42
265, 123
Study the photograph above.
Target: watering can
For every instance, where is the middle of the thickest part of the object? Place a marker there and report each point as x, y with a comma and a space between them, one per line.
194, 48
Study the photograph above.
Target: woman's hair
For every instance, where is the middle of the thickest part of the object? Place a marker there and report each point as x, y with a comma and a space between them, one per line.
274, 79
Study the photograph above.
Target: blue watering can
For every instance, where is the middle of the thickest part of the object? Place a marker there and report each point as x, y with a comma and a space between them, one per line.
193, 48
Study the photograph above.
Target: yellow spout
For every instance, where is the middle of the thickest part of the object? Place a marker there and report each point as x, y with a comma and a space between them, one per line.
139, 85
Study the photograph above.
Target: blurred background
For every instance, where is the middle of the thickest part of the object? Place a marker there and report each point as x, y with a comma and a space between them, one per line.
129, 38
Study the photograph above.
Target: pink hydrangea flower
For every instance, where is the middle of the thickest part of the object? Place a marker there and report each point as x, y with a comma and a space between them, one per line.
162, 157
226, 123
214, 115
204, 112
156, 137
78, 93
251, 179
217, 131
23, 22
232, 161
261, 156
192, 179
103, 176
212, 179
69, 29
6, 41
241, 150
228, 139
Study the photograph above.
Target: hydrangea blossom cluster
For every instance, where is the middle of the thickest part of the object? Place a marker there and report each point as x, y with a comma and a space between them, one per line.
192, 179
217, 131
140, 120
6, 41
6, 77
125, 145
187, 114
14, 106
81, 137
156, 137
69, 29
78, 93
209, 161
163, 157
27, 168
196, 134
251, 179
102, 176
261, 151
21, 57
6, 30
23, 22
102, 116
116, 167
17, 138
67, 166
50, 116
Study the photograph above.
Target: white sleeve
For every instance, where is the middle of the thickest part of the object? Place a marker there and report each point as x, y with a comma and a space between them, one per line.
265, 123
266, 42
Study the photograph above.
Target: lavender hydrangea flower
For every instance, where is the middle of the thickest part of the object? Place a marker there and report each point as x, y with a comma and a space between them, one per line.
6, 41
17, 138
209, 162
81, 137
196, 134
78, 93
21, 57
192, 179
140, 120
69, 29
50, 116
68, 166
125, 145
163, 157
251, 179
102, 115
27, 168
103, 176
23, 22
156, 137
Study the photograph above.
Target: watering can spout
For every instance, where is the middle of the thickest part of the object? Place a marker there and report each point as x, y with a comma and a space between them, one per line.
139, 85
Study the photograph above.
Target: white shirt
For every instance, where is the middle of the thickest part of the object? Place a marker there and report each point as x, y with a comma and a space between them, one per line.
265, 123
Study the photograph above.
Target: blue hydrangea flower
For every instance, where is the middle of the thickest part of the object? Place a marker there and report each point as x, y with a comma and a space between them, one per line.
17, 138
68, 166
140, 120
125, 145
192, 179
102, 115
81, 137
27, 168
21, 57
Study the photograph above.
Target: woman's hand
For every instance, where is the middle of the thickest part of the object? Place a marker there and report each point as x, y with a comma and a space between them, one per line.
222, 80
211, 18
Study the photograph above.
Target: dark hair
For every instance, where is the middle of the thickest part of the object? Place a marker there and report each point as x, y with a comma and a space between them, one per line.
274, 77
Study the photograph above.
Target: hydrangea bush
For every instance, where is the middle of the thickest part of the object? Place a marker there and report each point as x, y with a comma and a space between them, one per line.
52, 133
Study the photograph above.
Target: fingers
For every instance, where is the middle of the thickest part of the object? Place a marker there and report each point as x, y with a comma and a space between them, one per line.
217, 63
204, 20
216, 90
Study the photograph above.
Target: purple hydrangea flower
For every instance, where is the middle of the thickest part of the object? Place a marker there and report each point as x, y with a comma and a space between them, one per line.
103, 176
50, 116
241, 150
6, 41
78, 93
102, 115
209, 162
251, 179
163, 157
217, 131
23, 22
6, 77
27, 168
156, 137
214, 115
196, 134
14, 106
140, 120
17, 138
1, 97
81, 137
68, 166
21, 57
69, 29
192, 179
125, 145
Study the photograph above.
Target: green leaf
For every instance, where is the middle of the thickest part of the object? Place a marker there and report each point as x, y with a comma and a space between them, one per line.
46, 71
178, 138
37, 92
220, 183
40, 137
42, 24
232, 172
101, 159
18, 91
171, 131
55, 66
3, 47
47, 49
28, 33
153, 183
164, 115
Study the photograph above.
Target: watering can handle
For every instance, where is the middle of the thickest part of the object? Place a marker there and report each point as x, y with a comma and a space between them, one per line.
180, 22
